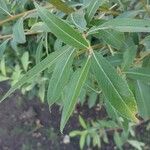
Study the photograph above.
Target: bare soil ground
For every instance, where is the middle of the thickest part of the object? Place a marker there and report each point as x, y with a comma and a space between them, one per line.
29, 125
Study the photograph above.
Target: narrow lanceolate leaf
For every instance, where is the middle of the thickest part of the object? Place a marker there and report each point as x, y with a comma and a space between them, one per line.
4, 7
73, 91
114, 87
2, 48
129, 54
113, 38
78, 19
61, 29
62, 6
60, 76
124, 25
143, 97
47, 62
139, 74
18, 32
93, 7
38, 54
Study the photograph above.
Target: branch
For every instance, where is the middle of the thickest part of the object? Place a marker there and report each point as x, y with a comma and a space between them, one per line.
10, 36
14, 17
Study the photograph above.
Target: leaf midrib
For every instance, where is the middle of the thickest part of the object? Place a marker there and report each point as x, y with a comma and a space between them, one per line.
63, 69
79, 81
111, 83
137, 73
63, 30
92, 9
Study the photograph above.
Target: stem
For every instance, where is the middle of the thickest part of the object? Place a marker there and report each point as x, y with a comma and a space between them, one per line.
14, 17
10, 36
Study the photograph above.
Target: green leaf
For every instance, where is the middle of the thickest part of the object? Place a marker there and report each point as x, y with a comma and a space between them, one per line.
18, 32
40, 27
3, 66
2, 48
78, 20
96, 140
3, 78
3, 5
25, 60
142, 96
124, 25
146, 43
47, 62
17, 74
75, 133
111, 111
38, 54
60, 76
42, 91
114, 38
136, 144
82, 139
92, 99
139, 74
82, 122
114, 87
129, 54
73, 91
115, 60
62, 6
61, 29
118, 140
93, 7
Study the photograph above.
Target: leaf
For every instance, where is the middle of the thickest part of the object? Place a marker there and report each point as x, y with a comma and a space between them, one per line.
124, 25
2, 48
114, 87
25, 60
139, 74
17, 74
86, 3
111, 111
60, 76
114, 38
3, 5
42, 91
40, 27
61, 29
18, 32
142, 96
3, 78
78, 20
82, 122
62, 6
73, 91
38, 54
96, 140
93, 7
3, 66
146, 43
82, 139
115, 60
47, 62
75, 133
129, 54
136, 144
92, 99
118, 140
